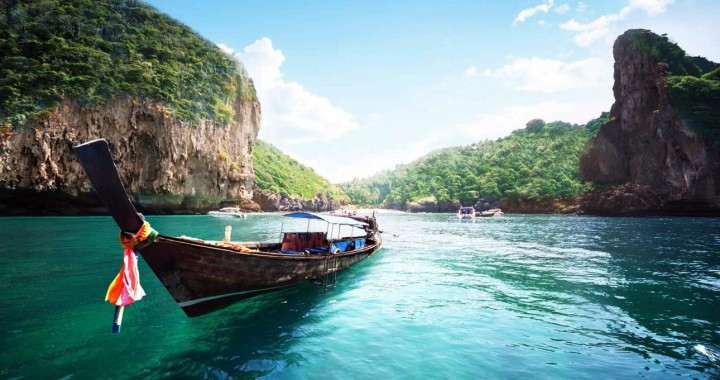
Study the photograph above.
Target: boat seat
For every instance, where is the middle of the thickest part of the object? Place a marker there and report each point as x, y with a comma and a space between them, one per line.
290, 242
301, 241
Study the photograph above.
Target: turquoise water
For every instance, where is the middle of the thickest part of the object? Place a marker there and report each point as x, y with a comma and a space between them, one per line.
513, 297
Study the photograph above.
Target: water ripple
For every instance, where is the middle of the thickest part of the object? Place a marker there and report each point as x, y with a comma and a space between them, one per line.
512, 297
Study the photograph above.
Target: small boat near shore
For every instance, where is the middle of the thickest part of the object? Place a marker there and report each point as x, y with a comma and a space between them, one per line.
205, 276
228, 212
490, 213
466, 213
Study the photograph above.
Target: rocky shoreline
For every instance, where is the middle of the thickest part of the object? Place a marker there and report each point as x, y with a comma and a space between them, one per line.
513, 206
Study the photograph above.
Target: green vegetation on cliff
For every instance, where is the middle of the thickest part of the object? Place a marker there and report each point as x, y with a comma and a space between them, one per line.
663, 50
538, 162
693, 83
698, 103
91, 50
279, 173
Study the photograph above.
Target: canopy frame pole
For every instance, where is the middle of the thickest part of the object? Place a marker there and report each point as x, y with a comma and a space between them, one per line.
282, 230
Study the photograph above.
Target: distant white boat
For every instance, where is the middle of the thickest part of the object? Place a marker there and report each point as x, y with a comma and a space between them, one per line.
491, 212
466, 213
228, 212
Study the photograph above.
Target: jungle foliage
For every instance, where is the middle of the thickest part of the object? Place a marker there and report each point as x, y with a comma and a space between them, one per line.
538, 162
698, 103
281, 174
693, 83
91, 50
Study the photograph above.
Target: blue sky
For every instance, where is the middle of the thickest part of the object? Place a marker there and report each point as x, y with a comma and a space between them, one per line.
351, 88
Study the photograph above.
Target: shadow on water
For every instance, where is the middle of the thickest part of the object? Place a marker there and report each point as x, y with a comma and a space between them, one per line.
257, 337
245, 339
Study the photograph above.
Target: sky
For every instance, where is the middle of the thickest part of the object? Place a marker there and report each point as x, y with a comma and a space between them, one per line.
351, 88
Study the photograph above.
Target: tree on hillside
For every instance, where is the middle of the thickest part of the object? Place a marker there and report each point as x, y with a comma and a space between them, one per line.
535, 125
537, 162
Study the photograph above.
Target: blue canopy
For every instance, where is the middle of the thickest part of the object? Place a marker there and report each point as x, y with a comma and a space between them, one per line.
328, 218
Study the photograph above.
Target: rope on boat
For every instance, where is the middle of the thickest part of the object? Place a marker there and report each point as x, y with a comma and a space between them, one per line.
145, 232
125, 288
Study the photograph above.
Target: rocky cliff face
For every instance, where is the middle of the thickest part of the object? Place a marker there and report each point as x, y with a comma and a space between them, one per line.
430, 205
644, 160
544, 206
269, 201
167, 166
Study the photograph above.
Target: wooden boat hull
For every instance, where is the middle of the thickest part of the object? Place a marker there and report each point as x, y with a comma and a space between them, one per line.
204, 278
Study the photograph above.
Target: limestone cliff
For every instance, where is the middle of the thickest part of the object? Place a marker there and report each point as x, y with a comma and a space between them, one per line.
180, 115
168, 166
646, 160
269, 201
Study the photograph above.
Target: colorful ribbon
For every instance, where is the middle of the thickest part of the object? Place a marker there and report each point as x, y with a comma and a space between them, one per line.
125, 288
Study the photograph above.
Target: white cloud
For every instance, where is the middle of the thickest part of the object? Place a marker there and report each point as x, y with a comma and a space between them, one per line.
602, 28
263, 63
562, 9
225, 48
552, 76
594, 30
529, 12
651, 7
581, 7
471, 71
290, 114
501, 123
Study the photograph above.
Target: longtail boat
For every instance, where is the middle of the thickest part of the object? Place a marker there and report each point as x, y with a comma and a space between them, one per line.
205, 276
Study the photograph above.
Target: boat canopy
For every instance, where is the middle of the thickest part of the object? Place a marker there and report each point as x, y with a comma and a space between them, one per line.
328, 218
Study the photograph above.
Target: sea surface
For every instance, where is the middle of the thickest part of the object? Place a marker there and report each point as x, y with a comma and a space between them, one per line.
513, 297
